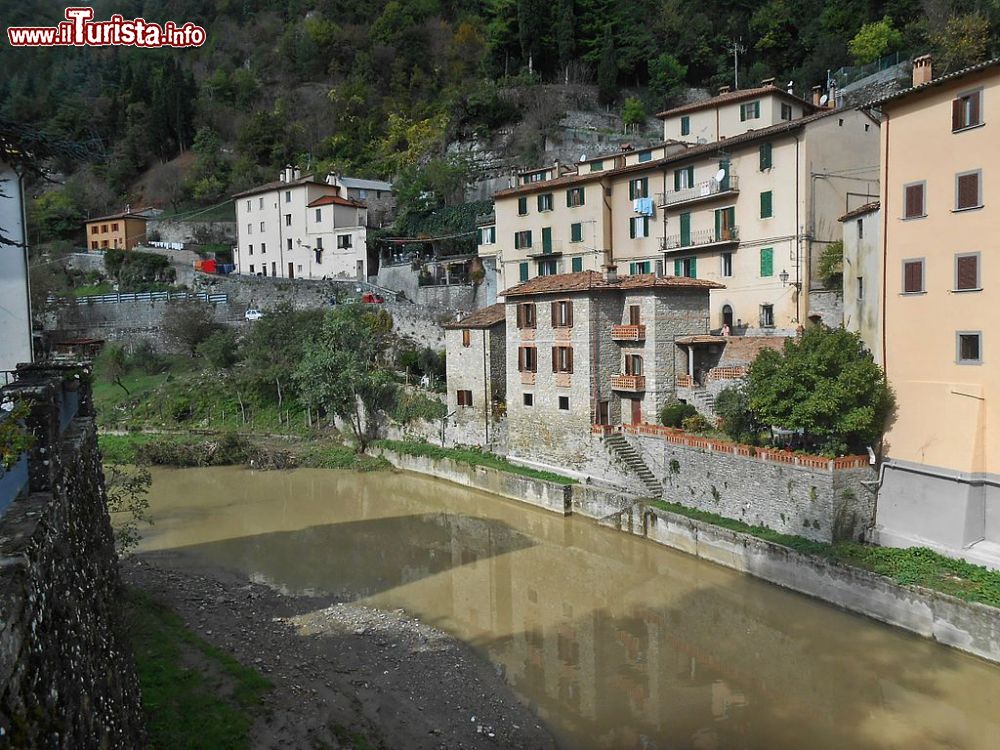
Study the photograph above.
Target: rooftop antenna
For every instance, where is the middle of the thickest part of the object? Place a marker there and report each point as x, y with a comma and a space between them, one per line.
823, 100
736, 47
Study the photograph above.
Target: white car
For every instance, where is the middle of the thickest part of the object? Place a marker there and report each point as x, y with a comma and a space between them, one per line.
253, 314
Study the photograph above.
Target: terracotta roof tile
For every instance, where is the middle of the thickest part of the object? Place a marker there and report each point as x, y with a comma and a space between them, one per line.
860, 211
587, 281
485, 318
731, 97
934, 82
326, 200
743, 350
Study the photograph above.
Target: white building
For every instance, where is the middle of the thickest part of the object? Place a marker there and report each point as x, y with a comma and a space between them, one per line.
302, 227
15, 301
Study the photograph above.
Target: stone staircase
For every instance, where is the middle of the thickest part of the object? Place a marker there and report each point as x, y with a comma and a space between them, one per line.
619, 447
704, 402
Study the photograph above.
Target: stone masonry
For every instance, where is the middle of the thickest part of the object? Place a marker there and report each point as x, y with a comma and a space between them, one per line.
476, 373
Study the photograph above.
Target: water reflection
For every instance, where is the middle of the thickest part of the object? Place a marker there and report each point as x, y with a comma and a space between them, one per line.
617, 643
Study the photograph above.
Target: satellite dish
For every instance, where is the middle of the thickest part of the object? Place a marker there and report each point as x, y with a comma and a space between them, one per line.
823, 100
583, 157
720, 175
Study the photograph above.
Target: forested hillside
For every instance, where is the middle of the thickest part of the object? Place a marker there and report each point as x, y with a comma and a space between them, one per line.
379, 87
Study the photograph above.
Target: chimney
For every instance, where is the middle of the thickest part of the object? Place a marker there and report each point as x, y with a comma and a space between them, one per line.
922, 70
791, 87
817, 94
832, 101
724, 90
296, 173
281, 175
767, 82
610, 273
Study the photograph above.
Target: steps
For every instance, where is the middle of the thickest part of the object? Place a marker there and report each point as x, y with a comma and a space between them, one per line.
619, 447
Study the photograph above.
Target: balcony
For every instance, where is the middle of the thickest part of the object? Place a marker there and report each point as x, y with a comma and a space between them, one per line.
700, 192
628, 333
631, 383
703, 238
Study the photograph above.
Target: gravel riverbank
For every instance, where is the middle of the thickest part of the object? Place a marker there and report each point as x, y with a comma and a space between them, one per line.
344, 674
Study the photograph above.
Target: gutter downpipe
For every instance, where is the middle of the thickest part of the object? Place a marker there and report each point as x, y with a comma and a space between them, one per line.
487, 404
798, 239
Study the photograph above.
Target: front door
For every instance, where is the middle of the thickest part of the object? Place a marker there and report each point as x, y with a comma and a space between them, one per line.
291, 271
361, 270
636, 411
602, 412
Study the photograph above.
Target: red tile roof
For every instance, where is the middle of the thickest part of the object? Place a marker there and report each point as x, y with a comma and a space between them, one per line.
485, 318
934, 82
326, 200
731, 97
743, 350
860, 211
592, 281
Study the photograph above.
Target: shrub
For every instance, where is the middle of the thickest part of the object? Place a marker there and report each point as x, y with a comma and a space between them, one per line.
695, 423
220, 349
415, 405
674, 413
736, 419
145, 357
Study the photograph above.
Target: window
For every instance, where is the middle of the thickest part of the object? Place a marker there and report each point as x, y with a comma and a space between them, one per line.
545, 202
104, 227
685, 125
968, 192
969, 347
577, 264
913, 200
535, 177
522, 206
913, 276
575, 197
562, 359
684, 178
319, 215
93, 244
274, 269
562, 314
263, 248
260, 203
104, 243
861, 287
645, 156
299, 268
251, 268
767, 316
564, 403
289, 243
522, 239
114, 227
786, 111
487, 235
523, 271
638, 226
765, 205
93, 229
766, 262
547, 268
464, 398
528, 399
967, 272
466, 337
288, 220
686, 267
288, 196
527, 359
597, 166
634, 312
727, 264
765, 156
633, 364
638, 188
344, 241
861, 229
576, 232
248, 205
750, 111
249, 249
526, 315
249, 228
639, 267
319, 246
966, 111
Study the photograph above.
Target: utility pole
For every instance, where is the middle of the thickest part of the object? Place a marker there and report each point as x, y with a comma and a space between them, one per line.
736, 47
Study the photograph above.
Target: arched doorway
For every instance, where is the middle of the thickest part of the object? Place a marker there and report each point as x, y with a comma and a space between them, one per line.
727, 315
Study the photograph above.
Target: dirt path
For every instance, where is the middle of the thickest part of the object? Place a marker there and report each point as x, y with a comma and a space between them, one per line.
344, 675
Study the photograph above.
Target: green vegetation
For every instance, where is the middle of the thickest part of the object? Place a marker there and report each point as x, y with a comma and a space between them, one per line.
127, 489
135, 270
337, 456
15, 438
470, 456
675, 412
916, 566
874, 40
412, 405
193, 694
831, 266
735, 418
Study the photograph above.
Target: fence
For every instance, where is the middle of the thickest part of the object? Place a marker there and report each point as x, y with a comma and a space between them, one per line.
118, 297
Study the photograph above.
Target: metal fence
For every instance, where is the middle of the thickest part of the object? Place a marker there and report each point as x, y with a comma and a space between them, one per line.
117, 297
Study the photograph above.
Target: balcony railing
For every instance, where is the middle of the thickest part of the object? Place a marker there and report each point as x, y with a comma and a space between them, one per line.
632, 383
701, 238
701, 191
685, 381
628, 333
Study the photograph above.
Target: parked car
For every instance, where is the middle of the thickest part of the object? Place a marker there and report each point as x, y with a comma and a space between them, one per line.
253, 314
372, 298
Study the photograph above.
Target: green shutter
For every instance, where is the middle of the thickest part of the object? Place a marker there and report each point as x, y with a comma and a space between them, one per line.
677, 267
524, 271
685, 229
546, 240
517, 240
765, 205
724, 166
765, 156
766, 261
631, 228
685, 125
576, 232
569, 200
690, 171
631, 190
694, 268
577, 265
631, 269
522, 206
583, 196
743, 112
756, 110
645, 186
539, 203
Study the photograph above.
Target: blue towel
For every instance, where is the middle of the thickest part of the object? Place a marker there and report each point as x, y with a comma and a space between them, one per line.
644, 206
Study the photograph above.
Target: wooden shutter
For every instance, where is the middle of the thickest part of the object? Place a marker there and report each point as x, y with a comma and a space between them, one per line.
633, 315
520, 316
756, 110
520, 359
974, 107
694, 268
466, 337
569, 359
555, 359
569, 314
912, 276
914, 201
765, 204
968, 190
677, 180
743, 112
524, 271
631, 227
956, 114
555, 315
967, 272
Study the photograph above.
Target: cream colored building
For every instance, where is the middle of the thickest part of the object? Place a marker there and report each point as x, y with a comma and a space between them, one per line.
116, 232
940, 216
862, 271
301, 227
752, 211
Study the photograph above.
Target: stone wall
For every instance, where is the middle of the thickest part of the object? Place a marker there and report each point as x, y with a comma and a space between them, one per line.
817, 503
464, 297
66, 670
193, 232
828, 304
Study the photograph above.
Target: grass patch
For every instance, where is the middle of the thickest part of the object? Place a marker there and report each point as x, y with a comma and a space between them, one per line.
917, 566
469, 456
413, 405
344, 457
193, 694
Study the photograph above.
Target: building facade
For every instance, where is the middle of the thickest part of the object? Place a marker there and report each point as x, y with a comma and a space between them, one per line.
940, 212
476, 369
588, 349
751, 211
301, 227
116, 232
15, 312
862, 273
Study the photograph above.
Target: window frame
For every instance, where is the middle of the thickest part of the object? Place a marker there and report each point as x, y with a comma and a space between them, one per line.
979, 273
563, 400
923, 276
577, 264
978, 93
979, 190
528, 399
785, 107
524, 319
579, 237
768, 253
685, 125
769, 195
923, 200
519, 239
562, 313
562, 360
544, 202
638, 187
522, 358
958, 348
726, 262
463, 398
578, 192
768, 309
765, 156
634, 224
522, 206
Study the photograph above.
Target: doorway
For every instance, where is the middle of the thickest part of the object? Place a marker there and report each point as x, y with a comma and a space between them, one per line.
727, 315
291, 271
603, 416
636, 411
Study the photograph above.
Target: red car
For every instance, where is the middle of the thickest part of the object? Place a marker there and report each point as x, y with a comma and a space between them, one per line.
372, 298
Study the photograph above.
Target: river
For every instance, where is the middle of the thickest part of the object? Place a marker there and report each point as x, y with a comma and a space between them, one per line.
615, 642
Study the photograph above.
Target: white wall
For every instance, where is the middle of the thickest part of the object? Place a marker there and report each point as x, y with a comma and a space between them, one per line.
15, 309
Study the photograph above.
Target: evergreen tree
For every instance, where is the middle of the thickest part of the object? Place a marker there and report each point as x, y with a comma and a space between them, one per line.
607, 70
565, 39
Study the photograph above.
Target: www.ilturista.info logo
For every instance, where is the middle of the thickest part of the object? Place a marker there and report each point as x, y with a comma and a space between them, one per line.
78, 30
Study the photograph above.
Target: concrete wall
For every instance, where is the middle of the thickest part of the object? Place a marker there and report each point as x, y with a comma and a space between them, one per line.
66, 670
15, 312
863, 279
827, 305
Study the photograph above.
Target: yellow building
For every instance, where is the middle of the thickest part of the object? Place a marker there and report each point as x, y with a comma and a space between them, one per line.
119, 231
940, 216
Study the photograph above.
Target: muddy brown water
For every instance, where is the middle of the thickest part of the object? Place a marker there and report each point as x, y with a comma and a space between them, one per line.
614, 641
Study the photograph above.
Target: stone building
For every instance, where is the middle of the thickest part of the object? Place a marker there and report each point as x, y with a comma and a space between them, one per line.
590, 349
476, 372
863, 275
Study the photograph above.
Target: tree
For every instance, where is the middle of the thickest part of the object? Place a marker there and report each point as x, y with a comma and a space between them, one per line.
220, 350
963, 41
210, 173
565, 39
127, 496
736, 419
633, 113
874, 40
276, 345
831, 265
607, 70
116, 366
189, 322
666, 76
826, 384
